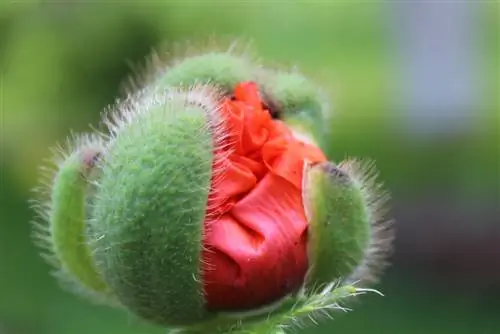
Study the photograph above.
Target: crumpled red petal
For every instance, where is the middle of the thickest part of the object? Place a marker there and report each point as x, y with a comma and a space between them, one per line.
255, 228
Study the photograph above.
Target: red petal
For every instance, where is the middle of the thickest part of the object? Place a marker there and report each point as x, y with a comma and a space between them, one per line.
255, 245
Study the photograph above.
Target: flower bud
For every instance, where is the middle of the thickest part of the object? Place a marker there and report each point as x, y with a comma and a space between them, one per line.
211, 200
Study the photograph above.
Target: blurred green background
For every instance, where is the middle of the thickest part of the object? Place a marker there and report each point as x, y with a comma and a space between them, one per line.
61, 63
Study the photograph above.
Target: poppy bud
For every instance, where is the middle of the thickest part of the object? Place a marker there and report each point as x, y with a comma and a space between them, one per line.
212, 201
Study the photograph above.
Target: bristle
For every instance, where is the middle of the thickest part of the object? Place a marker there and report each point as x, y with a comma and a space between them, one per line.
42, 206
141, 113
270, 71
203, 95
130, 109
165, 57
364, 174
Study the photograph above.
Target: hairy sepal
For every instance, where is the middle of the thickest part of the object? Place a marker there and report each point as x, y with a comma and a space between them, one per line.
170, 56
150, 203
343, 206
297, 101
62, 206
221, 69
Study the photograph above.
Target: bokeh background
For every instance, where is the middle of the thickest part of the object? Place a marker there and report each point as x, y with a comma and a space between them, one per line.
414, 84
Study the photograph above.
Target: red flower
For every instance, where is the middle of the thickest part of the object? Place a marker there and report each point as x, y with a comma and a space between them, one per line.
255, 227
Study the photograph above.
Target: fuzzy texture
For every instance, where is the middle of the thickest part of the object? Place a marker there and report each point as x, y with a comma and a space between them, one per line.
68, 221
287, 92
61, 205
297, 100
345, 208
150, 204
376, 255
184, 64
138, 216
306, 308
338, 223
220, 69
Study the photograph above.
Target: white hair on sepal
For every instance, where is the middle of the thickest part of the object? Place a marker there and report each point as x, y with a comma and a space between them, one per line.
41, 201
365, 176
42, 204
162, 59
204, 95
130, 109
113, 121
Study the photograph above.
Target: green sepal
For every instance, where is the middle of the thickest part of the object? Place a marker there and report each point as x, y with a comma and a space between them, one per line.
298, 102
339, 223
220, 69
67, 221
149, 209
